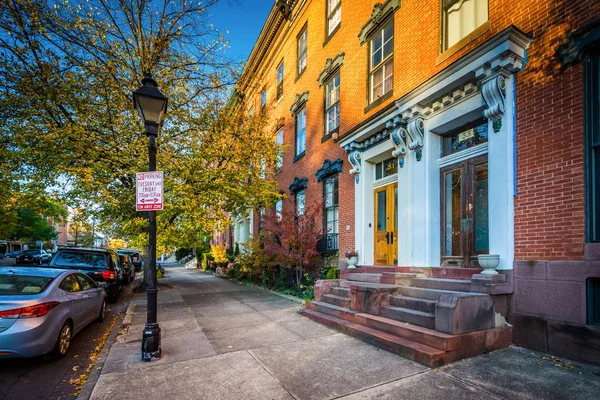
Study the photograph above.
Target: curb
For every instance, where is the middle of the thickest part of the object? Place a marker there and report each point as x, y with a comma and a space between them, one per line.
90, 383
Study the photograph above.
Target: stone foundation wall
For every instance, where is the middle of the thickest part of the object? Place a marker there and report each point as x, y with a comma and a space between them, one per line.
549, 308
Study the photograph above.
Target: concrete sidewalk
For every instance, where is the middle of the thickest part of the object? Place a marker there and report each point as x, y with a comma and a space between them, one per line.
222, 340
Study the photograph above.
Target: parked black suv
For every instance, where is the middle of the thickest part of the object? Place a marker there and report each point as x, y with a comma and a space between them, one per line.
100, 265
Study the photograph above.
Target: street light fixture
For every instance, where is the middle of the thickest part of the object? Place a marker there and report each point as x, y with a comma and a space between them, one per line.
152, 106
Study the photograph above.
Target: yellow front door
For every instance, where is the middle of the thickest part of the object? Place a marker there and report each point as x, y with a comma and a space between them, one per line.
386, 225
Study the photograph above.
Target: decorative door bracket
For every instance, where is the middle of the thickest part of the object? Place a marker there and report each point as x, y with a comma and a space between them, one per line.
354, 158
398, 138
494, 94
416, 132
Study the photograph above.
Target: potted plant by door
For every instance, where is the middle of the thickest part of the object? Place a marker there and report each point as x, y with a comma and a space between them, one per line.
352, 258
488, 262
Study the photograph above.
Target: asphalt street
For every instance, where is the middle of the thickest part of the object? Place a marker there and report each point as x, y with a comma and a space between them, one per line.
36, 378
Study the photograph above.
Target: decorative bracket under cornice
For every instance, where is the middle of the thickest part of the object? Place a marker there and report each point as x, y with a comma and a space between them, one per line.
329, 168
494, 93
331, 66
578, 43
379, 14
299, 101
398, 138
298, 185
354, 158
416, 131
285, 7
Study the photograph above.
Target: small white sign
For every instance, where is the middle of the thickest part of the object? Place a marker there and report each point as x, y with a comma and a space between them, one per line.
149, 191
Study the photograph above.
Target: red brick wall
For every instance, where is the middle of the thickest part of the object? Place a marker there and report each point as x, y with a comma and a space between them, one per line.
549, 213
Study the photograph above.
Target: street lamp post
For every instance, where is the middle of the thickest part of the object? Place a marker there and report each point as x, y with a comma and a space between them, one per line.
152, 106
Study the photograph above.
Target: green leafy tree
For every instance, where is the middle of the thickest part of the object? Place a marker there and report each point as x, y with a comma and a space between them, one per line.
68, 69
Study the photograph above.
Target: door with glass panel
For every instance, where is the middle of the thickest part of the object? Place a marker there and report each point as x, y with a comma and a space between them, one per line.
386, 225
464, 212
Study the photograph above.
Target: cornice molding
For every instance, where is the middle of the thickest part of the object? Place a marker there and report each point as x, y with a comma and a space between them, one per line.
332, 65
578, 43
299, 101
329, 168
298, 185
379, 14
398, 136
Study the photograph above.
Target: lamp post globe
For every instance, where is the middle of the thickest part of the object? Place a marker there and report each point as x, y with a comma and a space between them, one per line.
151, 105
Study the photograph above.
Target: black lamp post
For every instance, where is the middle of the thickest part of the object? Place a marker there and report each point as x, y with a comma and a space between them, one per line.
152, 106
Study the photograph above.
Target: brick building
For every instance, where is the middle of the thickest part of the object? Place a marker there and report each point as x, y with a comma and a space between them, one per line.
435, 131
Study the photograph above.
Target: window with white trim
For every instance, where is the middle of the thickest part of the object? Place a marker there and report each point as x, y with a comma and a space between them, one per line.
330, 204
334, 15
300, 203
461, 17
332, 105
279, 142
301, 132
280, 81
302, 50
278, 209
381, 62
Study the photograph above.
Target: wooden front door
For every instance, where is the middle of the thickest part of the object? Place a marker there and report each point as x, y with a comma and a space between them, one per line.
386, 225
464, 212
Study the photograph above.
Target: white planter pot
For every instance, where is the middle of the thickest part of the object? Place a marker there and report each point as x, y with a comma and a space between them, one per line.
489, 262
352, 262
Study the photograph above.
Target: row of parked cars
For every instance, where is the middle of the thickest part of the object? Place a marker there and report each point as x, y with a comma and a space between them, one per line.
43, 307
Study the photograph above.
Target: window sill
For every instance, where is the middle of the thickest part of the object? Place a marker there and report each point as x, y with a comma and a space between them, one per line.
300, 75
379, 101
329, 135
299, 156
328, 38
462, 43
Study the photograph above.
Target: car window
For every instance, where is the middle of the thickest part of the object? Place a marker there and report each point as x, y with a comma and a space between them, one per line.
79, 260
86, 283
31, 252
70, 284
23, 285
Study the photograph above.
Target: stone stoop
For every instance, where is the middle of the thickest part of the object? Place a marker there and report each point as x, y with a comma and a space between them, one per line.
433, 321
425, 346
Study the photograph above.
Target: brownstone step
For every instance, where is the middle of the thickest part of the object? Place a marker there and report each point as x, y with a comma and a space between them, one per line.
420, 318
341, 301
418, 352
364, 277
340, 291
415, 333
430, 294
415, 351
456, 285
413, 303
331, 309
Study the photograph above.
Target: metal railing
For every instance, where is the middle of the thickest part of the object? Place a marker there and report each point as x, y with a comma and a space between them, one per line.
328, 243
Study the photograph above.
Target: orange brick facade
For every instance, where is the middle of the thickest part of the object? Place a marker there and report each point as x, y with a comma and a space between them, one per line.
549, 206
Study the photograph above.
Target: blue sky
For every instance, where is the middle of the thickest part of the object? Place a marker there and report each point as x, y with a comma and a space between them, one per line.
244, 20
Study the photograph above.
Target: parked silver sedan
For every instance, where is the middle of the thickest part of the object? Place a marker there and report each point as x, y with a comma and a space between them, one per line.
42, 309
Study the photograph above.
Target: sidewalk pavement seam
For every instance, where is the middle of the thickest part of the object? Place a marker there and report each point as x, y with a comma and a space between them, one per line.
381, 384
188, 306
465, 382
270, 373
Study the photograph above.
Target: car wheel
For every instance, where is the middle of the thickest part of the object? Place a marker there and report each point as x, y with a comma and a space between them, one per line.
102, 312
62, 344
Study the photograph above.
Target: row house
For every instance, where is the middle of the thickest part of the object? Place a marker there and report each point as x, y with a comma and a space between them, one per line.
435, 132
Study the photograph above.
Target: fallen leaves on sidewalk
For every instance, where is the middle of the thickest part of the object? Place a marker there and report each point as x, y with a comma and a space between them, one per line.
559, 363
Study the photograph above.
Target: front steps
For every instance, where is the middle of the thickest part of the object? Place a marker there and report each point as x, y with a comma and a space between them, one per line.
431, 321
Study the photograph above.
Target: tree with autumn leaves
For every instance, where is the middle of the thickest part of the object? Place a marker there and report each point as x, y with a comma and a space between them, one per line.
67, 71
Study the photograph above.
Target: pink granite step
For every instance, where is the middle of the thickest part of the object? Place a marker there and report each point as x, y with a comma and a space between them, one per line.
341, 301
413, 303
456, 285
420, 318
331, 309
341, 291
364, 277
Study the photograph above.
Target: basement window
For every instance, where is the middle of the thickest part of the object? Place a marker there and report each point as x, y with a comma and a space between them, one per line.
593, 301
